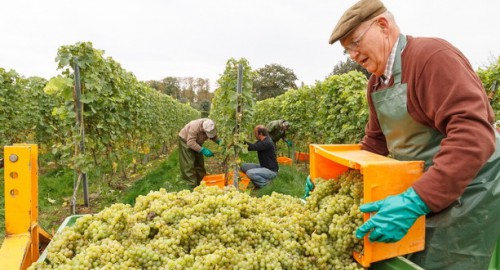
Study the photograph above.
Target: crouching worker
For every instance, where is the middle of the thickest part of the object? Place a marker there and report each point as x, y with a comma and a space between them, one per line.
263, 173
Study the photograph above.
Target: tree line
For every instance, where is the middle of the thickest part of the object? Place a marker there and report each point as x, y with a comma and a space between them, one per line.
269, 81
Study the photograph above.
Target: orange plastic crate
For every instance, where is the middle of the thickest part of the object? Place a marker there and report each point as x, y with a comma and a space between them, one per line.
382, 176
242, 183
284, 160
301, 156
214, 180
219, 180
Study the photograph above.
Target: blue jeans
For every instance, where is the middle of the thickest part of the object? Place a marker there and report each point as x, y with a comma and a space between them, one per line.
260, 176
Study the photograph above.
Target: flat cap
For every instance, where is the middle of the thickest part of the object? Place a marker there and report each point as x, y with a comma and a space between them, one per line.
360, 12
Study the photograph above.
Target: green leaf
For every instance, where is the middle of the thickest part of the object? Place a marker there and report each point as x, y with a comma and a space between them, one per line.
57, 85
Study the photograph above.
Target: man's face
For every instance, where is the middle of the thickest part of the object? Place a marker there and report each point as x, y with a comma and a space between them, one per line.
367, 45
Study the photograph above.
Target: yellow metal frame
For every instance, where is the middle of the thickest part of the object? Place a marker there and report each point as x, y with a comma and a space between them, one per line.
24, 238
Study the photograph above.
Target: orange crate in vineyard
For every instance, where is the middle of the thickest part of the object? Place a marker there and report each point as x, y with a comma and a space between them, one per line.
284, 160
219, 180
301, 156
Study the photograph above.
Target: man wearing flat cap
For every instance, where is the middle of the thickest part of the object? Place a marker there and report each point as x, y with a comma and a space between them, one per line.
427, 103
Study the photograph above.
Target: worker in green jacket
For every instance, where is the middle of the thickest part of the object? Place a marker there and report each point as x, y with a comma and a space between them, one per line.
192, 151
277, 131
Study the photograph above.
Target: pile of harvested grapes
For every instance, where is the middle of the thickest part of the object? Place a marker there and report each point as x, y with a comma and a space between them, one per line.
213, 228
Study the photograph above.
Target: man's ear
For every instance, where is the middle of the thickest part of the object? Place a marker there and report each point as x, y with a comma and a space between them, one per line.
383, 23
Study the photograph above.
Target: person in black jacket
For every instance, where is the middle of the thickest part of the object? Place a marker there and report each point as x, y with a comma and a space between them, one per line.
261, 174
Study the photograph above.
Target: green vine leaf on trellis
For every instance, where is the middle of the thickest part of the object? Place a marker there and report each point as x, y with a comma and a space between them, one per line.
61, 86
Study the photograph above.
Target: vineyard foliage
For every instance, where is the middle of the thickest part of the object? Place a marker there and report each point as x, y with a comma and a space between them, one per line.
331, 111
25, 110
234, 125
491, 81
123, 119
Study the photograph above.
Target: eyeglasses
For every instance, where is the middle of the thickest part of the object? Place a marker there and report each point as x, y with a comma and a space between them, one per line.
355, 43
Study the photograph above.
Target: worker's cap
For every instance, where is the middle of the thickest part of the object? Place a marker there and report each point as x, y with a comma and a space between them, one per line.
209, 128
360, 12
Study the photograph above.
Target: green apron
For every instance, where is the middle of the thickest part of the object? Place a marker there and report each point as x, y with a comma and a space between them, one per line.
192, 164
463, 235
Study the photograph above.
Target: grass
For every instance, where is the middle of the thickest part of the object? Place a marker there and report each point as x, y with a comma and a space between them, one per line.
290, 181
55, 191
165, 175
56, 187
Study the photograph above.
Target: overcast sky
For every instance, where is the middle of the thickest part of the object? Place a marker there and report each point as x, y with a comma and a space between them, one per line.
195, 38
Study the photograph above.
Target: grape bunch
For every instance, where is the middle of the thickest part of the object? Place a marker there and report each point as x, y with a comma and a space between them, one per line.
214, 228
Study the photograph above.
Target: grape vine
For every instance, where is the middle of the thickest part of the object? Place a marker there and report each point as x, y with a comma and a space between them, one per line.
224, 110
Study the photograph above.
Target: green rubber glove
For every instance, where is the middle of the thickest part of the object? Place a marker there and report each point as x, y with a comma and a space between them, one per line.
309, 187
206, 152
289, 143
395, 215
